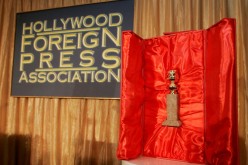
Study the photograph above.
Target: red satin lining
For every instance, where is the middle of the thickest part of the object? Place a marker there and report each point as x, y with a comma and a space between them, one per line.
204, 61
221, 106
132, 94
161, 55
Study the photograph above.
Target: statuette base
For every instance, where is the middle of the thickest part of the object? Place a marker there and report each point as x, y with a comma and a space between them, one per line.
172, 123
172, 111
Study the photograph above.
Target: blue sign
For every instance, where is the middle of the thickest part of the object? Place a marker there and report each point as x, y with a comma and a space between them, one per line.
71, 52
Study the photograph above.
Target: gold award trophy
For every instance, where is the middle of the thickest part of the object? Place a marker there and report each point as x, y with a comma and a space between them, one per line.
172, 101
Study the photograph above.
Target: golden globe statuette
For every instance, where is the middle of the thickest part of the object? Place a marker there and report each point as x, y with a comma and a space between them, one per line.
172, 102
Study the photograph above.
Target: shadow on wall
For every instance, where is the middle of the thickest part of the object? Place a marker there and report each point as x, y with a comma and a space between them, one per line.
95, 153
243, 151
15, 149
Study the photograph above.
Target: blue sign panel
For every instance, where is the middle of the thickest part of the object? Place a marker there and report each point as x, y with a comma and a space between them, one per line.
71, 52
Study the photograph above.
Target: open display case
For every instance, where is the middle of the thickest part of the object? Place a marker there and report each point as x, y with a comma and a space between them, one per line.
206, 69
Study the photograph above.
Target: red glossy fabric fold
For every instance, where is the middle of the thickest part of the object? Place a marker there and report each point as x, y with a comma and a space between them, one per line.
221, 104
132, 94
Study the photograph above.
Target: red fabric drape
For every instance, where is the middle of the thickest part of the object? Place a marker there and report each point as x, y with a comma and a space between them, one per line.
206, 90
220, 92
161, 55
131, 97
